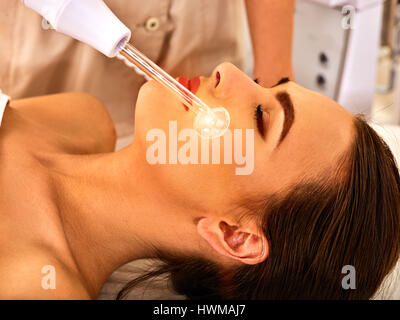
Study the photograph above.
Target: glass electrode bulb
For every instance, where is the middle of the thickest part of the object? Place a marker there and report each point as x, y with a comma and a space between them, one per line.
209, 123
212, 123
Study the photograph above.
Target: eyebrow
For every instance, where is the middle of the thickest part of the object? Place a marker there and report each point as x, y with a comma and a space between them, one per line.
287, 105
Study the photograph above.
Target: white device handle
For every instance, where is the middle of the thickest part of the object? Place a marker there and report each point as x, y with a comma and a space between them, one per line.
89, 21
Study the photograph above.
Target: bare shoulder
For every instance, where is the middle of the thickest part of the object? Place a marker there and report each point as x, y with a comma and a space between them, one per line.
77, 118
37, 275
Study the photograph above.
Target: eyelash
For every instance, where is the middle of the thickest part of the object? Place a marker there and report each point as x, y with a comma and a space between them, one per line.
259, 113
258, 116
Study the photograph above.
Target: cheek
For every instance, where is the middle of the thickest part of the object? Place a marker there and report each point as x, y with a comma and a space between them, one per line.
208, 184
156, 107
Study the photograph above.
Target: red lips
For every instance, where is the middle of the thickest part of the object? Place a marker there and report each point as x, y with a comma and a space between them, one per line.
190, 84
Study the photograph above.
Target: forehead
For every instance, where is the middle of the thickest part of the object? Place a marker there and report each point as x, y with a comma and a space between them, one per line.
321, 133
321, 118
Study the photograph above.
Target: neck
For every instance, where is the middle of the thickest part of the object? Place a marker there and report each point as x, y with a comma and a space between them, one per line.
108, 205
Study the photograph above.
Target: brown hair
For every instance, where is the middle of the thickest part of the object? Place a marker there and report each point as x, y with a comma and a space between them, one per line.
313, 230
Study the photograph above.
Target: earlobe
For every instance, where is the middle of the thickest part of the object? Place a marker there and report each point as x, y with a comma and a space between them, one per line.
243, 243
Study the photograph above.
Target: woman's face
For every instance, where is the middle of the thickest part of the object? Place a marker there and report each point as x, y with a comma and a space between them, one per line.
297, 134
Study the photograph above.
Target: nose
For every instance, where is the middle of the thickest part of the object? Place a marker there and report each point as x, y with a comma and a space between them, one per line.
229, 82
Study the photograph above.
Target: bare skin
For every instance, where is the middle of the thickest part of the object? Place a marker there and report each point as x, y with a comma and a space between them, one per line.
32, 234
42, 137
67, 200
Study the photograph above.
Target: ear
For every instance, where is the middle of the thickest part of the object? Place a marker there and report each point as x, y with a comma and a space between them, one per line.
245, 243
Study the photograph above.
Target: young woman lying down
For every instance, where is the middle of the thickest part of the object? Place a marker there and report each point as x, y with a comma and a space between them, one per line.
323, 196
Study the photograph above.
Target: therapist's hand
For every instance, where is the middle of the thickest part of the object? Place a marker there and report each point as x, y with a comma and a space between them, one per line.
271, 29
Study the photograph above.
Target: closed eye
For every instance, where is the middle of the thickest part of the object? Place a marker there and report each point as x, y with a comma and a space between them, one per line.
259, 118
259, 113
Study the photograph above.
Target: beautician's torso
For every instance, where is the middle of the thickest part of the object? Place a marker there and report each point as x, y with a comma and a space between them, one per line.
188, 38
31, 235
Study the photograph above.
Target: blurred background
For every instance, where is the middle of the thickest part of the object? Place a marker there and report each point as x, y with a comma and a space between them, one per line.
386, 106
349, 50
